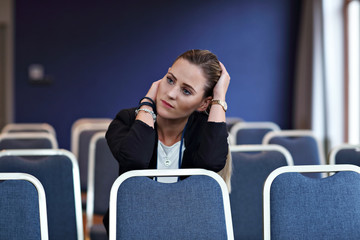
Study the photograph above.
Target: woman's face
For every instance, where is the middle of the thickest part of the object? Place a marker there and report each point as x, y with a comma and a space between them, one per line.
181, 91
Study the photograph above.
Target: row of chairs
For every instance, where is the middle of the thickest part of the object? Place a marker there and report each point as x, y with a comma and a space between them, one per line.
87, 144
246, 168
293, 205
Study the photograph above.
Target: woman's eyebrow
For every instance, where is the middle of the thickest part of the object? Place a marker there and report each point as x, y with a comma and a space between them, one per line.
185, 84
172, 75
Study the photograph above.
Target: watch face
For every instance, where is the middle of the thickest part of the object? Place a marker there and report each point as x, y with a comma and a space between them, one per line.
225, 105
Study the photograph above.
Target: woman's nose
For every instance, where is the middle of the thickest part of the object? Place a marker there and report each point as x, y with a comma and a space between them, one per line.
172, 93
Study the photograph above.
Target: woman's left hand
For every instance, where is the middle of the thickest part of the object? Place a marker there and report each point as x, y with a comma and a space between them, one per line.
222, 85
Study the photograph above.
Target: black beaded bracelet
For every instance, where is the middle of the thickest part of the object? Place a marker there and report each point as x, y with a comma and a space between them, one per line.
147, 104
152, 101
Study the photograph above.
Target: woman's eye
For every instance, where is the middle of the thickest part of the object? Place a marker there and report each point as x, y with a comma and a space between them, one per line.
186, 92
170, 81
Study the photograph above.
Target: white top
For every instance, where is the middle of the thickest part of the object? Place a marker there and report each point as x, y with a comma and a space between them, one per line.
168, 158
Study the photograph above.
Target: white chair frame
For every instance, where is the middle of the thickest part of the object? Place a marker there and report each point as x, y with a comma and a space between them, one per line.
86, 124
336, 149
29, 126
299, 169
251, 125
260, 147
33, 135
169, 173
41, 196
90, 196
297, 133
76, 177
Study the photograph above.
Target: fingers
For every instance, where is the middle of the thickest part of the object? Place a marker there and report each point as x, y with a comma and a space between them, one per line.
153, 90
224, 71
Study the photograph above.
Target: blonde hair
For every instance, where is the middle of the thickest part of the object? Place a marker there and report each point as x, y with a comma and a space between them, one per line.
226, 172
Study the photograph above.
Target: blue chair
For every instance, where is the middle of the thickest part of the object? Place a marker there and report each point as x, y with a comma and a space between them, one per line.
28, 127
28, 140
102, 173
251, 166
58, 172
22, 207
299, 207
194, 208
81, 133
303, 146
251, 132
345, 154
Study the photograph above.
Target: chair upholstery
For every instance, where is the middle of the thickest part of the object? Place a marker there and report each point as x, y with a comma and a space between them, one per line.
303, 146
194, 208
22, 207
345, 154
58, 172
251, 166
29, 127
299, 207
81, 133
103, 171
34, 140
251, 132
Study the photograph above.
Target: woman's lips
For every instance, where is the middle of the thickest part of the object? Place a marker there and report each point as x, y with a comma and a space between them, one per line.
167, 104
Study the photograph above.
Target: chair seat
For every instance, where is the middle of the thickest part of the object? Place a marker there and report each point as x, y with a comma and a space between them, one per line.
98, 232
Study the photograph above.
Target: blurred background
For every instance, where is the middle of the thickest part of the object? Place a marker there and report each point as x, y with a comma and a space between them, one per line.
291, 62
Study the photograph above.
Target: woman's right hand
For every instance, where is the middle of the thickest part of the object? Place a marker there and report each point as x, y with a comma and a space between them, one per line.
153, 90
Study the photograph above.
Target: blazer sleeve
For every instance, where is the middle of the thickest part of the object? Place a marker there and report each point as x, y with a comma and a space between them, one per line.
130, 141
211, 148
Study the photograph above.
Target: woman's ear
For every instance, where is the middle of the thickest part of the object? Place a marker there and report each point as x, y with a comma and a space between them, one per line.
204, 104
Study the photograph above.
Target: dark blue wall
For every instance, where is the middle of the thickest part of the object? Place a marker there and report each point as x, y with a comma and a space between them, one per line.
103, 56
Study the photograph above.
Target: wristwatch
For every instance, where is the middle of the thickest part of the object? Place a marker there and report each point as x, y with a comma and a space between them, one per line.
222, 103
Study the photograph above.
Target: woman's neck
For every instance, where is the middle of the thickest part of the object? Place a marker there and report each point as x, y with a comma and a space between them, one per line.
169, 130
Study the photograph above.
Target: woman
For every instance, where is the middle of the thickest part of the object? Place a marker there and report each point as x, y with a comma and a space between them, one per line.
171, 128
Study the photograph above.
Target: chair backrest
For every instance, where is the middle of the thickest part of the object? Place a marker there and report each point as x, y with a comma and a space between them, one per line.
194, 208
22, 207
58, 172
296, 206
251, 132
251, 166
34, 140
29, 127
231, 121
102, 173
303, 146
345, 154
81, 133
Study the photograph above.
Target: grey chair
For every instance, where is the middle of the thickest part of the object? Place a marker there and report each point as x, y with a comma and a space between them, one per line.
58, 172
81, 133
299, 207
28, 140
251, 166
29, 127
231, 121
194, 208
22, 207
251, 132
103, 171
303, 146
345, 154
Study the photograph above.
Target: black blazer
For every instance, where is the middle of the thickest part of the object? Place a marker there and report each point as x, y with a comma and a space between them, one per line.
134, 144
